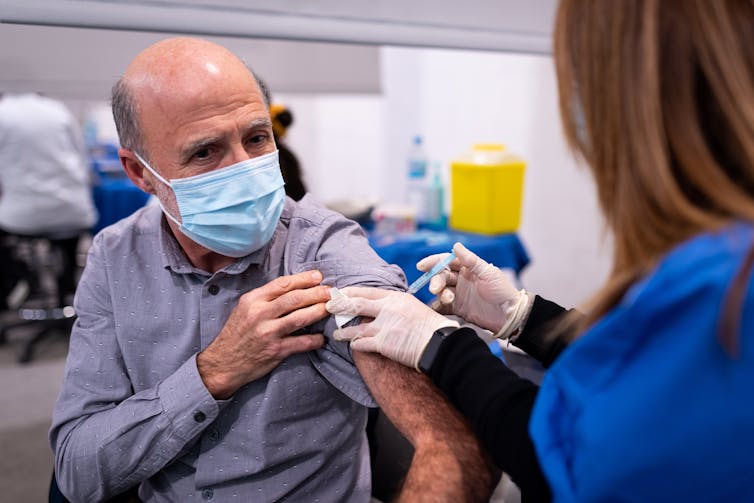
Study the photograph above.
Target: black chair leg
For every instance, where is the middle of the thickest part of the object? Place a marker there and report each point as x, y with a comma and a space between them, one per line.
27, 350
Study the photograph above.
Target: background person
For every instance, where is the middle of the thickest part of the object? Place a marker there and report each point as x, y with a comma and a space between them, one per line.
650, 402
45, 182
201, 362
290, 167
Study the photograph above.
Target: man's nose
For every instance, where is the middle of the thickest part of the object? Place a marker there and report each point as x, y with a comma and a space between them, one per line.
237, 154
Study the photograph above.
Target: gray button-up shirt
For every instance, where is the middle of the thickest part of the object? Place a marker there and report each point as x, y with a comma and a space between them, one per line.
133, 408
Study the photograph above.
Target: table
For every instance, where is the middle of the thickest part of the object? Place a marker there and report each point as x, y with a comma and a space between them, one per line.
116, 198
405, 250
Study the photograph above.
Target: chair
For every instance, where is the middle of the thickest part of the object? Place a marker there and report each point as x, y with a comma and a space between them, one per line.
50, 270
55, 496
390, 456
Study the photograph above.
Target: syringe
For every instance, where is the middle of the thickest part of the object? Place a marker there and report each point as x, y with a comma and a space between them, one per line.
424, 278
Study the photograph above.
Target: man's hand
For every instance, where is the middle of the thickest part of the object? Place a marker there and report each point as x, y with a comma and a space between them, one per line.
256, 337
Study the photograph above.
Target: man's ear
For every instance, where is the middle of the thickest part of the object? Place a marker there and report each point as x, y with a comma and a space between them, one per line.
134, 170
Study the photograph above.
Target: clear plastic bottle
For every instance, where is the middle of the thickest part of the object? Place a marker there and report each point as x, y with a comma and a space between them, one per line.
434, 199
417, 179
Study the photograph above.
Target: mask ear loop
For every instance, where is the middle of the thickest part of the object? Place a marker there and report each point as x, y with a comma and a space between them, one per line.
160, 178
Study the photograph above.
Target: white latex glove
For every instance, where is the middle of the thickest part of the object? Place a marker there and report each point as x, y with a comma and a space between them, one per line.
478, 292
401, 327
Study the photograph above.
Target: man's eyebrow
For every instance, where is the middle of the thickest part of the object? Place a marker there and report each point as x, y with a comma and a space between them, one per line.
257, 123
189, 149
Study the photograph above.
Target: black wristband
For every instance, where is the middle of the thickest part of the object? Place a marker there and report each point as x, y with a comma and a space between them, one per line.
433, 347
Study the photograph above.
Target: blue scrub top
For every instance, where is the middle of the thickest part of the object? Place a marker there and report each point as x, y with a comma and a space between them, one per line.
646, 405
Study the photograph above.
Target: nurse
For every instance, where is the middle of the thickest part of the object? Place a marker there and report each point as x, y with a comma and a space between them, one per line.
650, 398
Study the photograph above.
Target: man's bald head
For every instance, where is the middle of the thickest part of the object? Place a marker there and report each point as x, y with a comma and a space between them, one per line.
172, 69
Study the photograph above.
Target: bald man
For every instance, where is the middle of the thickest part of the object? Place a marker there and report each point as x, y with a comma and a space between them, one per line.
200, 366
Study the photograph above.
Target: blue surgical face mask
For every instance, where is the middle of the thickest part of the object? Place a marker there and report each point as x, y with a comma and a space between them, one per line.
232, 211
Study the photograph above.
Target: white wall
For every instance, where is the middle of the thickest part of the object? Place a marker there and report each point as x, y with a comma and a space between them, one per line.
338, 140
355, 146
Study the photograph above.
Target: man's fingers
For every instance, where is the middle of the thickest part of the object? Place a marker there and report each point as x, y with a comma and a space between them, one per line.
284, 284
292, 301
300, 318
300, 344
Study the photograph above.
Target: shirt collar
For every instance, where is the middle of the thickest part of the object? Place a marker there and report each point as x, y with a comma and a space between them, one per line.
174, 258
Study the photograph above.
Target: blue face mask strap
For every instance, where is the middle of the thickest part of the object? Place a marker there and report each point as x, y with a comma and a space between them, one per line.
146, 165
155, 173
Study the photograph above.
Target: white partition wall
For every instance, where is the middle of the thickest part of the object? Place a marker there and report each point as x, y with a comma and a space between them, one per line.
500, 25
357, 106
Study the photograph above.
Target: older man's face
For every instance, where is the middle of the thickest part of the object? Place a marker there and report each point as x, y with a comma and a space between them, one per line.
204, 118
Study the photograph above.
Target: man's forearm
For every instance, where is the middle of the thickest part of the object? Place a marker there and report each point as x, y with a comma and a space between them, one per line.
498, 404
449, 463
107, 451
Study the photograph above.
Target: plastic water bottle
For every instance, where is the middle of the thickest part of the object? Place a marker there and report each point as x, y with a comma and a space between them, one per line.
417, 179
434, 198
90, 134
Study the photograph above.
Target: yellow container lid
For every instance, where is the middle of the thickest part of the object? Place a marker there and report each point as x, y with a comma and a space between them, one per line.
494, 147
486, 154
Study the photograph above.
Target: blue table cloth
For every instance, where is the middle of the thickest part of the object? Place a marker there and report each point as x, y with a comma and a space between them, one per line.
116, 198
405, 250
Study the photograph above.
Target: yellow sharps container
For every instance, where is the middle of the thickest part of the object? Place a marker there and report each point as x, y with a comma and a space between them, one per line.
486, 186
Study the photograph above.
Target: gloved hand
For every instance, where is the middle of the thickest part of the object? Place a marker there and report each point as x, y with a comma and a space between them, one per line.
478, 292
401, 327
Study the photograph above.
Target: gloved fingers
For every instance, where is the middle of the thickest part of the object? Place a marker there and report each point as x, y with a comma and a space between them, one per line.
429, 262
339, 304
368, 344
437, 305
355, 306
469, 259
355, 332
448, 296
442, 280
365, 292
350, 333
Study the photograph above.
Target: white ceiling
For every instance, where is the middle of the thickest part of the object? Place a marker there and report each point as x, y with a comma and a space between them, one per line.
498, 25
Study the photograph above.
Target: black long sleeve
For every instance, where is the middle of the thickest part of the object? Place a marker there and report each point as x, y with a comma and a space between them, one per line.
498, 404
540, 337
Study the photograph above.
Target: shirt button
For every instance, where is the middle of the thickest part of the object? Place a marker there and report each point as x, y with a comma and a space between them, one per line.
214, 435
199, 416
213, 289
207, 494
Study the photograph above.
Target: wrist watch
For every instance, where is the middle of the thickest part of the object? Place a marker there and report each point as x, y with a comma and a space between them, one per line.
433, 347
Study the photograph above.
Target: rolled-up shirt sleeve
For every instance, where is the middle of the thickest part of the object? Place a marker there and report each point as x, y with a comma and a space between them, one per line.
105, 437
338, 248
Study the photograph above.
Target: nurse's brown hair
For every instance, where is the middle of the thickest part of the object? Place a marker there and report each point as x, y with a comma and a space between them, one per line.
657, 96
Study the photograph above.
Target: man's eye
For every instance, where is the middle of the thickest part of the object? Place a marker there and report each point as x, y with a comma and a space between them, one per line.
202, 154
258, 139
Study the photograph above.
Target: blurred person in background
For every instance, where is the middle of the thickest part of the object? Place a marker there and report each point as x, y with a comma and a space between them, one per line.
282, 119
45, 183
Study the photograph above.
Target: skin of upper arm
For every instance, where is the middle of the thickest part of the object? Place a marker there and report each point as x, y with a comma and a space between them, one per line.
443, 440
